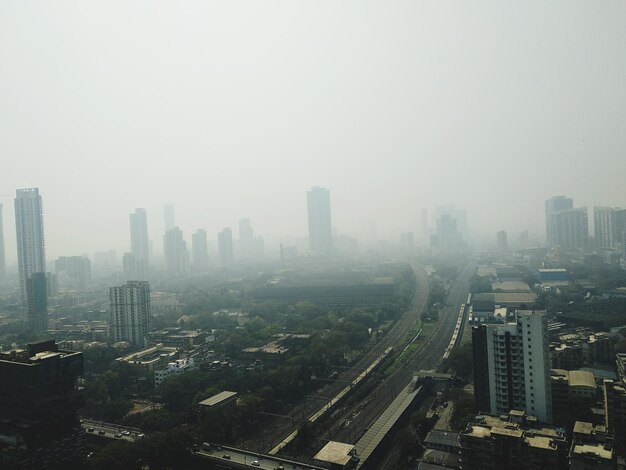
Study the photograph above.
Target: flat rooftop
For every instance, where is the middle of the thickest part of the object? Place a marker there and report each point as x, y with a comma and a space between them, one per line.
336, 453
219, 398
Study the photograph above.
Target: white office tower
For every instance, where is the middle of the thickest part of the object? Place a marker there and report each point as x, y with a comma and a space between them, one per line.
168, 217
131, 319
200, 250
518, 356
31, 252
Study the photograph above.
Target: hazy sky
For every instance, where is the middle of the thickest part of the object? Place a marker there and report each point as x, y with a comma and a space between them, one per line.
230, 109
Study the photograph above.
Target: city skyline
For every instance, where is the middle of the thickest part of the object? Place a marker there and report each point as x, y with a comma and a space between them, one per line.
426, 129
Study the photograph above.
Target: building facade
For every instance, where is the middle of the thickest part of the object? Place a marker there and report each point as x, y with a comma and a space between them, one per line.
175, 248
554, 206
225, 247
320, 221
131, 317
200, 250
139, 243
513, 358
31, 251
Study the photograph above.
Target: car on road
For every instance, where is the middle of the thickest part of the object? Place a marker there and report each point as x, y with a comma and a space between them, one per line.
117, 434
255, 463
101, 432
90, 429
226, 456
126, 433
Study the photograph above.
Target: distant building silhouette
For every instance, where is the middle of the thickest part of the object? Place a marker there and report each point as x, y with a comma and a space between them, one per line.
139, 244
553, 206
225, 247
131, 317
572, 228
320, 222
246, 239
200, 250
73, 271
176, 257
501, 238
31, 252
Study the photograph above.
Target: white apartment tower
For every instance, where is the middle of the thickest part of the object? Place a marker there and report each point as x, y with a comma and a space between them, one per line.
31, 252
131, 319
518, 365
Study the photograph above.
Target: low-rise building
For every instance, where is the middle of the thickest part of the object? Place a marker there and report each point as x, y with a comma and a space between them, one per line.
148, 360
591, 448
179, 366
573, 394
512, 442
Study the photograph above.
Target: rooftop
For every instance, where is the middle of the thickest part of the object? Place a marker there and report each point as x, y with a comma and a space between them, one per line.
442, 438
219, 398
335, 453
597, 450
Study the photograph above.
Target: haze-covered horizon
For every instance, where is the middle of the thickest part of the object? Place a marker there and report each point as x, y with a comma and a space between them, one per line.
228, 110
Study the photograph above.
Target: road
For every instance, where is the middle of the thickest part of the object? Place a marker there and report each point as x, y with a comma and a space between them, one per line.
426, 356
111, 431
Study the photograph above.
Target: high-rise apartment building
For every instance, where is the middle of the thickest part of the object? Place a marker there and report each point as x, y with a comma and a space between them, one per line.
225, 247
619, 230
168, 217
175, 248
320, 222
512, 365
572, 227
604, 233
554, 206
246, 238
3, 264
131, 318
31, 252
139, 244
73, 271
501, 239
200, 250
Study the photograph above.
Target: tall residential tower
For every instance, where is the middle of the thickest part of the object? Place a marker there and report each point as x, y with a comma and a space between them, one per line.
512, 366
131, 318
139, 244
320, 225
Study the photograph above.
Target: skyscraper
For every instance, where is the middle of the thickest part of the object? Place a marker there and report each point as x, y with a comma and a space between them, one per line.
200, 250
512, 365
168, 217
572, 228
502, 241
139, 244
225, 247
175, 248
131, 318
3, 264
553, 206
320, 224
246, 238
31, 252
603, 218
